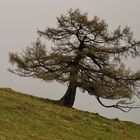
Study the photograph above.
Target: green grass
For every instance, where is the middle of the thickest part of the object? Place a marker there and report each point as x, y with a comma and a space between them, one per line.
24, 117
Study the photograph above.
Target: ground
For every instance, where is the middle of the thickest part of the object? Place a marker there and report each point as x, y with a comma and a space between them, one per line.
25, 117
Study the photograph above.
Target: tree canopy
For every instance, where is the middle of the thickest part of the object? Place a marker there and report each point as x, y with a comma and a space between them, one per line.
85, 55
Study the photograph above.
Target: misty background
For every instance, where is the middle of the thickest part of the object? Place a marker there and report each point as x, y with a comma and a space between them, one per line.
19, 21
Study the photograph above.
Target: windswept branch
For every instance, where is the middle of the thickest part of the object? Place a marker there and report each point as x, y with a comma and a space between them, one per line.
121, 105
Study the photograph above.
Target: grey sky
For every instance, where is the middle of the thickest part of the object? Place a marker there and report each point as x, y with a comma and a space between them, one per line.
19, 20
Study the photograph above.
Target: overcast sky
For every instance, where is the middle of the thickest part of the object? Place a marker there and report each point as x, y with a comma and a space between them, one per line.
19, 21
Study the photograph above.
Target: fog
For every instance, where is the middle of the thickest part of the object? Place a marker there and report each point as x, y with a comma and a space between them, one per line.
19, 21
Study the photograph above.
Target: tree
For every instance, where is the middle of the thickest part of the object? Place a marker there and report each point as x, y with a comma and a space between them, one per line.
85, 55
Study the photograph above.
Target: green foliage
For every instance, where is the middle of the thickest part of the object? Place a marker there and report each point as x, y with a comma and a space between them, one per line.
86, 54
27, 117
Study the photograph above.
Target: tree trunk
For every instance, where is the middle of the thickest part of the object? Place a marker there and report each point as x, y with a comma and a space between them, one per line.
69, 97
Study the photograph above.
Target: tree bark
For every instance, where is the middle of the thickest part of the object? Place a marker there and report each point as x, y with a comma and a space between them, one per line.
69, 97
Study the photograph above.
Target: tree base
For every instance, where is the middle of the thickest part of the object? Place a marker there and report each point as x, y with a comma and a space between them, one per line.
69, 97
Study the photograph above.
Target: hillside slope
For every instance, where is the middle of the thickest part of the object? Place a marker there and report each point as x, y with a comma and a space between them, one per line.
24, 117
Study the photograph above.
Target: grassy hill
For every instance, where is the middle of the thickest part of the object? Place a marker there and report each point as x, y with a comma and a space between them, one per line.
24, 117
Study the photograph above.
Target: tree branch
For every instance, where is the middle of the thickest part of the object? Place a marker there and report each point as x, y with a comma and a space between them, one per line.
118, 106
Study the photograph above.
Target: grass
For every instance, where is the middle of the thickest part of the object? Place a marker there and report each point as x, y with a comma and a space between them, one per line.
25, 117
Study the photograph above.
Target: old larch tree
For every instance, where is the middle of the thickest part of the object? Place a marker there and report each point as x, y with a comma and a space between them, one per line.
85, 55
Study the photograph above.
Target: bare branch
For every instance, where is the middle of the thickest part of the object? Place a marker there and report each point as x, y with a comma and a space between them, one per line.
124, 107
